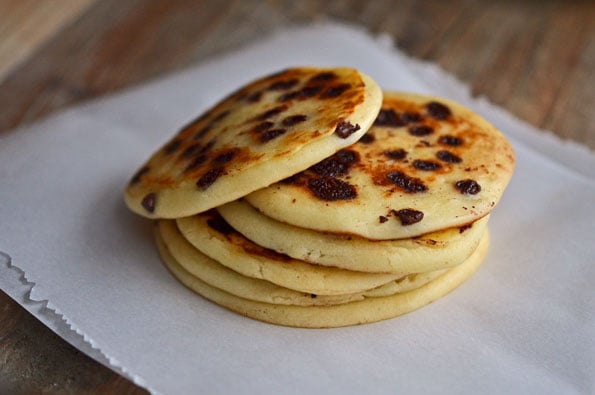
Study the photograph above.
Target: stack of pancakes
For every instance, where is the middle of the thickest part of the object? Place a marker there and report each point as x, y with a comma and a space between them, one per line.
311, 198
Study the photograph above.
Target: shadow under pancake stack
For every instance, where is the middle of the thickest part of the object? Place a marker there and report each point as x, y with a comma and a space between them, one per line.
311, 198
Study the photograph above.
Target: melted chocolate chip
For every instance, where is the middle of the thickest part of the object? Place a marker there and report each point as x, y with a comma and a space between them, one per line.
388, 117
335, 91
447, 156
421, 130
149, 201
254, 97
396, 154
271, 134
261, 127
465, 227
407, 183
137, 176
172, 147
288, 96
409, 216
336, 165
331, 189
224, 157
324, 76
220, 225
426, 165
468, 187
409, 117
346, 129
199, 160
272, 112
438, 110
450, 140
310, 91
382, 219
283, 85
209, 178
367, 138
293, 120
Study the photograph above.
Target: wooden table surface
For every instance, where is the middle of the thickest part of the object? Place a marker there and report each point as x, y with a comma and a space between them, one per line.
534, 58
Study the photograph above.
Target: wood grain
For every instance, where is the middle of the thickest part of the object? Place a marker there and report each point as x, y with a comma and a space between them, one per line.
534, 58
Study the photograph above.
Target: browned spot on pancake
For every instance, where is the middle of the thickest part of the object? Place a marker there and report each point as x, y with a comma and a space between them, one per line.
271, 134
209, 178
396, 154
331, 189
216, 222
345, 129
149, 201
426, 165
324, 76
421, 130
289, 96
336, 165
382, 219
294, 120
202, 132
220, 116
465, 227
225, 157
406, 183
409, 216
452, 141
283, 85
388, 117
254, 249
310, 91
192, 150
438, 110
271, 113
367, 138
468, 187
447, 156
138, 175
335, 91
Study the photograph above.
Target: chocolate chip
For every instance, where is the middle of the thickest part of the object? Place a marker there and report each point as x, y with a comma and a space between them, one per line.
465, 227
421, 130
396, 154
468, 187
347, 156
220, 225
447, 156
426, 165
261, 127
283, 85
272, 112
293, 120
345, 129
438, 110
407, 183
409, 117
149, 201
254, 97
289, 96
310, 91
199, 160
331, 189
336, 165
450, 140
382, 219
137, 176
409, 216
271, 134
224, 157
209, 177
388, 117
367, 138
335, 91
324, 76
172, 147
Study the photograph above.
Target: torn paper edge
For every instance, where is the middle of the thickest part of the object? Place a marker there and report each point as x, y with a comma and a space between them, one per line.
52, 318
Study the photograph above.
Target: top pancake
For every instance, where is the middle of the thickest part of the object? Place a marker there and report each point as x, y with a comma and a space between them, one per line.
266, 131
427, 164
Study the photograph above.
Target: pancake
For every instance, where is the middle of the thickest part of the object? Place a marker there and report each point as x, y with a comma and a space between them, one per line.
429, 252
210, 234
266, 131
225, 279
427, 164
353, 313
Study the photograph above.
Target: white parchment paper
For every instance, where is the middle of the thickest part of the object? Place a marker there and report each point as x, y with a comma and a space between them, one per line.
74, 256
